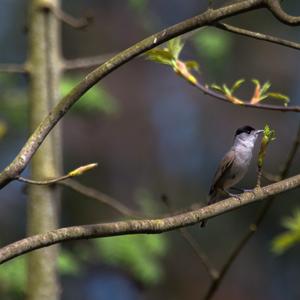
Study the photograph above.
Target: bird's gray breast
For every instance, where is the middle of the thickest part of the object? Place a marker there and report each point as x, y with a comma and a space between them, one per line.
239, 167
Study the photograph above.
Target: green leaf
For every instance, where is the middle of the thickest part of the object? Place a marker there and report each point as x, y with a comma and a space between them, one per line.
13, 275
95, 100
256, 82
138, 254
175, 47
226, 90
237, 85
265, 87
217, 88
213, 44
67, 263
279, 96
192, 65
284, 241
162, 56
265, 96
289, 238
138, 5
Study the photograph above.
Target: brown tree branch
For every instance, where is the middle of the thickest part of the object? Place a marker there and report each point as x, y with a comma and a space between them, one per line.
35, 140
77, 23
78, 171
257, 35
87, 62
212, 272
158, 225
207, 91
101, 197
13, 68
275, 8
253, 226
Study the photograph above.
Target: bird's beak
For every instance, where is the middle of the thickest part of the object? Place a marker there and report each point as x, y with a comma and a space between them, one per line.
259, 131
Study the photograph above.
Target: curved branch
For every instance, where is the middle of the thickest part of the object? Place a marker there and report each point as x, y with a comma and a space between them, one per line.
144, 226
102, 198
35, 140
73, 22
207, 91
86, 62
14, 68
275, 8
257, 35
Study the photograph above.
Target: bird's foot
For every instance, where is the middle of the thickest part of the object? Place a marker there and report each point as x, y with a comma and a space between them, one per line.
233, 195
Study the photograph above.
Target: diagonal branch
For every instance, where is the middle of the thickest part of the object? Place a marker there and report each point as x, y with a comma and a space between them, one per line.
87, 62
257, 35
101, 197
254, 226
35, 140
13, 68
146, 225
275, 8
207, 91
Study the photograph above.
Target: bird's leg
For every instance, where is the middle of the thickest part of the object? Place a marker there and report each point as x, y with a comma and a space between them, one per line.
227, 193
243, 190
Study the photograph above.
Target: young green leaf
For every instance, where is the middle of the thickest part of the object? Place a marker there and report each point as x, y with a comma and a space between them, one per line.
175, 47
279, 96
226, 90
162, 56
269, 135
237, 85
289, 238
192, 65
256, 82
217, 88
266, 86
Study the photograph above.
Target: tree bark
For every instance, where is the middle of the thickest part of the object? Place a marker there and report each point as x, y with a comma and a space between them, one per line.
44, 65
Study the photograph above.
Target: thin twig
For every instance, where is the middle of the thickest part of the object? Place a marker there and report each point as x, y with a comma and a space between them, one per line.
13, 68
43, 182
253, 226
101, 197
142, 226
78, 171
212, 272
257, 35
77, 23
206, 90
88, 62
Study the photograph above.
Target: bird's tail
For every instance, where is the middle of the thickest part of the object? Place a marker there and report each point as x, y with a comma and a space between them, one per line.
213, 197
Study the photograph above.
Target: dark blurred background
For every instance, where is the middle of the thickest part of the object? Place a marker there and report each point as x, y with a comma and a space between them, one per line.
153, 133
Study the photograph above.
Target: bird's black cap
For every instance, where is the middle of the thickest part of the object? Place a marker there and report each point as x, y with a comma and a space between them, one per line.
245, 129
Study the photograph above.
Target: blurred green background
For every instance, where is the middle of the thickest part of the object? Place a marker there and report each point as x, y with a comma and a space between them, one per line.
153, 133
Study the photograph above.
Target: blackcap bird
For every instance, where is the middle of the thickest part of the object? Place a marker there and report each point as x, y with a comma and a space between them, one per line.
234, 165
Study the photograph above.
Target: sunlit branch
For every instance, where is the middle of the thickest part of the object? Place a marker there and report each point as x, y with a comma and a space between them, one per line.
87, 62
13, 68
101, 197
211, 271
76, 23
143, 226
76, 172
257, 35
207, 91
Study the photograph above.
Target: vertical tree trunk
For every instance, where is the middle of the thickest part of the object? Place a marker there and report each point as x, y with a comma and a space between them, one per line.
43, 201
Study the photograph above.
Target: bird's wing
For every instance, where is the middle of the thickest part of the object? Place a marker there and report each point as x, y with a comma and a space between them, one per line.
224, 166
